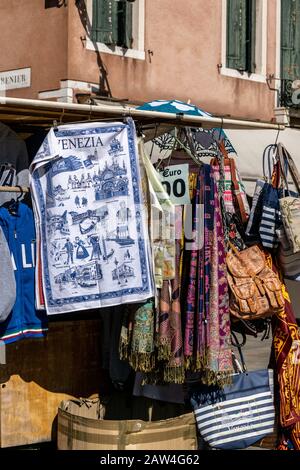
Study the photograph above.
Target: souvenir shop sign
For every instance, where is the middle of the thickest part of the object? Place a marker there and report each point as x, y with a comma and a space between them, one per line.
12, 79
89, 218
175, 180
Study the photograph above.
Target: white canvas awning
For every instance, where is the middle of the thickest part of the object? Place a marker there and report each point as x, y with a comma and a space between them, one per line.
250, 148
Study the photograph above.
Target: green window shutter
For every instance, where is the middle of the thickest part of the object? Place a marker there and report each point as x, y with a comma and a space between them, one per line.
124, 24
236, 34
290, 39
251, 36
105, 21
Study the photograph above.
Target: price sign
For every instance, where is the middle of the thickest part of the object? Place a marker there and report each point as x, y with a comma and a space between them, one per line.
175, 180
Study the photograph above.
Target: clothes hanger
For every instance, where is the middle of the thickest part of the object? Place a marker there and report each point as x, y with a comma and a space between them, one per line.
55, 124
13, 204
180, 144
192, 149
21, 193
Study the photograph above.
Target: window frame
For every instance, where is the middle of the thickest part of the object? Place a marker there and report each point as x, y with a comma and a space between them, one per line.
261, 31
138, 33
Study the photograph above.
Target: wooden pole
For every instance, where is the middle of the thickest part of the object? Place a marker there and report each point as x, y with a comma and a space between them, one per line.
14, 189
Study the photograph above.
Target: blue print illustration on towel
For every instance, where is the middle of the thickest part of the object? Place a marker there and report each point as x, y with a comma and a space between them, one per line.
90, 193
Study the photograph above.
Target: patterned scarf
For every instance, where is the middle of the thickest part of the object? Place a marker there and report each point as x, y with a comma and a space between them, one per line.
207, 324
190, 289
137, 336
286, 344
219, 352
174, 369
164, 329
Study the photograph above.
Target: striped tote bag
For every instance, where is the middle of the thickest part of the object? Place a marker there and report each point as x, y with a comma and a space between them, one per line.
238, 415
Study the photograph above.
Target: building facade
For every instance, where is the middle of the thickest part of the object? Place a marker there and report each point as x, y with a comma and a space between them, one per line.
226, 56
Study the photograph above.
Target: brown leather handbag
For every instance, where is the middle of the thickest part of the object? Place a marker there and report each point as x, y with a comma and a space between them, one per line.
256, 291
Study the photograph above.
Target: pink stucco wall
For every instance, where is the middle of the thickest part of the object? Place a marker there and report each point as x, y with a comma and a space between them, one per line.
185, 37
35, 37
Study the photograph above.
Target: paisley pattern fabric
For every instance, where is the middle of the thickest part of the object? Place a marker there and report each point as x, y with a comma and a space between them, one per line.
137, 336
207, 326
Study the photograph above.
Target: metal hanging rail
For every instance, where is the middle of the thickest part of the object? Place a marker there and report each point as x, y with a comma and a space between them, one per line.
25, 109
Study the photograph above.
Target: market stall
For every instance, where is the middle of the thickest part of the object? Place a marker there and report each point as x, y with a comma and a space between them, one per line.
108, 296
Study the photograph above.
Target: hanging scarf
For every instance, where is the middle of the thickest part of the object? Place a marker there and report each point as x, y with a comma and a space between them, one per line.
207, 325
164, 333
174, 369
285, 338
137, 337
190, 288
219, 351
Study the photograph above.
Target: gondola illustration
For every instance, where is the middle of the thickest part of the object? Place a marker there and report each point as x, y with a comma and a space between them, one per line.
88, 224
88, 219
100, 213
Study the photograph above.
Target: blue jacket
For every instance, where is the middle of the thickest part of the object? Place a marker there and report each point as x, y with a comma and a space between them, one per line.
24, 321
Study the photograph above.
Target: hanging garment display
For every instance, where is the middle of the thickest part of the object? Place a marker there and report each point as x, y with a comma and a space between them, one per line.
13, 162
207, 324
24, 320
152, 338
91, 223
7, 280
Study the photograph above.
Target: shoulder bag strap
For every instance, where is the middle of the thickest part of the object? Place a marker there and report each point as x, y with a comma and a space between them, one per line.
285, 158
293, 170
235, 184
238, 345
237, 192
268, 160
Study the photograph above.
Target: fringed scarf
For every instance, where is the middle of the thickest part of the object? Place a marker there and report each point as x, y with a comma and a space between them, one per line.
137, 336
207, 324
174, 368
151, 338
190, 279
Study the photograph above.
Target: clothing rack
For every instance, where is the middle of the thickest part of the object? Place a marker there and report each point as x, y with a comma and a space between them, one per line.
14, 189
